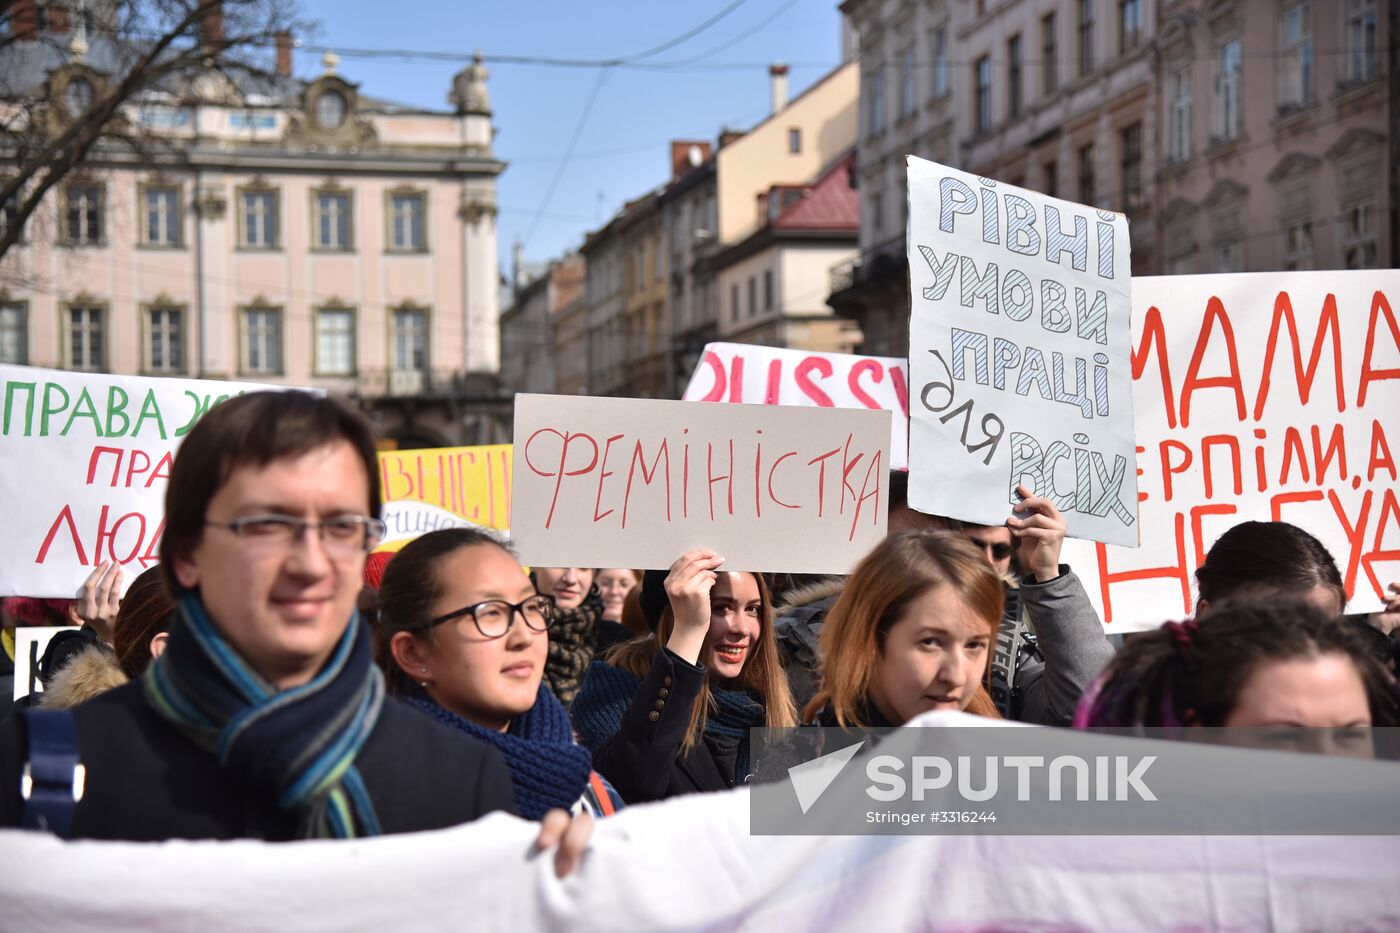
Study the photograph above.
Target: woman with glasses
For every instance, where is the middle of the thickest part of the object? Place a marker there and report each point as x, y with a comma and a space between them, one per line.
463, 636
669, 713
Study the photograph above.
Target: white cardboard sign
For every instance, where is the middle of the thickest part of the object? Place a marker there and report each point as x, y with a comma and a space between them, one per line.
31, 641
610, 482
741, 372
86, 459
1266, 397
1018, 354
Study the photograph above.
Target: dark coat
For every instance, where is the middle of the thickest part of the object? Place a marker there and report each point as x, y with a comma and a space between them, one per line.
644, 760
147, 782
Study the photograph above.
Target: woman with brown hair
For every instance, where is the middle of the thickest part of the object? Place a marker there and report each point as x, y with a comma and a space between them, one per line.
669, 713
910, 633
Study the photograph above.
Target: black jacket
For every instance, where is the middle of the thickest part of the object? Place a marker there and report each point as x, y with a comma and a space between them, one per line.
146, 782
644, 760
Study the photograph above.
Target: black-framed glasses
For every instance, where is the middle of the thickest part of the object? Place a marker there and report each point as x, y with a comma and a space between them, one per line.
494, 617
343, 535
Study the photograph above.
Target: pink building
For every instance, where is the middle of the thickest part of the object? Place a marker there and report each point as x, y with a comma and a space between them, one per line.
311, 236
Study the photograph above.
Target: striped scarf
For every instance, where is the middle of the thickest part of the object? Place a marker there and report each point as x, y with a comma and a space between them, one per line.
298, 746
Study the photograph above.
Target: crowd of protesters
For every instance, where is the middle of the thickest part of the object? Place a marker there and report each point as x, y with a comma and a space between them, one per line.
271, 679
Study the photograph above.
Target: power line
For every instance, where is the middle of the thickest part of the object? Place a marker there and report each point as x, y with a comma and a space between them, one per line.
568, 153
683, 37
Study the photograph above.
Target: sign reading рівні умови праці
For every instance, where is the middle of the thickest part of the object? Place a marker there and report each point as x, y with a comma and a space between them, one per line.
1019, 349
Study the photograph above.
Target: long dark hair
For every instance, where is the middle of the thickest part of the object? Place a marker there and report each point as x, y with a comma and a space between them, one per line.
1190, 673
1273, 555
411, 586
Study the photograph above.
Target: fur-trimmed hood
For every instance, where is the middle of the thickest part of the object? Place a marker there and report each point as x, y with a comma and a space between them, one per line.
802, 596
91, 672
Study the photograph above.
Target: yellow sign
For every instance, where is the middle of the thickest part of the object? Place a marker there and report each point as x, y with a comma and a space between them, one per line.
444, 487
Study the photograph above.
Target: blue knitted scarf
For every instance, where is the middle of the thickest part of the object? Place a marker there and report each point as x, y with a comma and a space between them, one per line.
547, 769
297, 746
607, 691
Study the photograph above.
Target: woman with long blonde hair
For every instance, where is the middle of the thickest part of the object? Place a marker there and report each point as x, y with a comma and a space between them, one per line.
911, 632
669, 713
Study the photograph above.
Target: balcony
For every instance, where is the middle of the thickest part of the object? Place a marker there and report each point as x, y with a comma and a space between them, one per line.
424, 384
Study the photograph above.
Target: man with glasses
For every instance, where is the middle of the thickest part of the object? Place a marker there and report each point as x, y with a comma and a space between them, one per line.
265, 717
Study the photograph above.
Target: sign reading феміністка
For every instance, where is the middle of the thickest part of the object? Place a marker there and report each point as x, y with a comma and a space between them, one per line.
86, 458
609, 482
1018, 354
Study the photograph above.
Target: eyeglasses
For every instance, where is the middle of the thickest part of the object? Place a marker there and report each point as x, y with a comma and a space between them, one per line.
494, 617
344, 535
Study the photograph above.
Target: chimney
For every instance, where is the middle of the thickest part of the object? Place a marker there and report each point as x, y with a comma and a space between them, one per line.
729, 136
777, 81
211, 23
687, 154
284, 54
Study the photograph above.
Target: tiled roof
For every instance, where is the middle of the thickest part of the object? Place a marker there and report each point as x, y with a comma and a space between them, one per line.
830, 204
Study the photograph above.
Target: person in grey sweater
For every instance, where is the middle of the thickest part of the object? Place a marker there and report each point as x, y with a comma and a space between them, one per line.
1049, 647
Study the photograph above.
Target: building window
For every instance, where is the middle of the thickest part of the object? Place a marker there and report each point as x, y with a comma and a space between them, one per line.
1086, 37
406, 212
410, 341
1359, 63
1013, 76
1295, 76
874, 85
939, 42
1086, 174
877, 215
734, 302
330, 110
14, 332
83, 217
259, 219
262, 341
1129, 24
332, 220
1131, 141
767, 289
753, 296
1049, 52
906, 83
1179, 115
9, 213
1298, 246
165, 351
86, 338
335, 342
162, 216
1050, 180
1227, 91
982, 80
794, 140
1359, 235
1229, 256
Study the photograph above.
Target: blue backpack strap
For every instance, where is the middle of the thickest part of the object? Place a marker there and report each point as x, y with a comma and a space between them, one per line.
53, 778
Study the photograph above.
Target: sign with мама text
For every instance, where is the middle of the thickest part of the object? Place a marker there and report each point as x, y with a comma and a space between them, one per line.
612, 482
742, 372
1259, 396
86, 459
1018, 354
443, 487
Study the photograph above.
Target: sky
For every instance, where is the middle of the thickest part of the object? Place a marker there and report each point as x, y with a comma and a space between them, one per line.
619, 121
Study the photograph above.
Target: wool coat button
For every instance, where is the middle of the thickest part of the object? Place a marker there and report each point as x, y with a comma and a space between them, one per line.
653, 716
666, 680
663, 693
660, 704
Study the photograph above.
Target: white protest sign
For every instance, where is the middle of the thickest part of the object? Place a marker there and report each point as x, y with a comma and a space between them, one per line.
31, 641
1262, 396
610, 482
741, 372
1018, 354
86, 458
